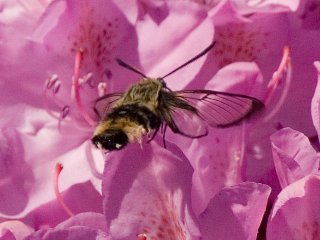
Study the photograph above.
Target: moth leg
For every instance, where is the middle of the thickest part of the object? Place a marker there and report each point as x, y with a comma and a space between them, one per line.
164, 135
153, 135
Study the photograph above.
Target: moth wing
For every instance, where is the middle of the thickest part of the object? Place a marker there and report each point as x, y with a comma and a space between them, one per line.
182, 117
187, 123
220, 109
104, 104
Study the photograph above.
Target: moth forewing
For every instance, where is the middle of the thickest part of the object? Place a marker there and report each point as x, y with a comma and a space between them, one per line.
220, 109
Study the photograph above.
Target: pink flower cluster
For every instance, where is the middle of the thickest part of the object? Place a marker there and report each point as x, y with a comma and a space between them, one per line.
257, 180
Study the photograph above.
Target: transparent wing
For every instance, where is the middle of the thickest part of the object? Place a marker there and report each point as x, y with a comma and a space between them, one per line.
220, 109
187, 123
181, 117
104, 104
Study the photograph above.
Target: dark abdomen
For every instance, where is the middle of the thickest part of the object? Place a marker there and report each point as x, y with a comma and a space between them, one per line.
138, 114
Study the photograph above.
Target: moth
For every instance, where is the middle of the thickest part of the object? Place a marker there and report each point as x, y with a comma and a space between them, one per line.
149, 105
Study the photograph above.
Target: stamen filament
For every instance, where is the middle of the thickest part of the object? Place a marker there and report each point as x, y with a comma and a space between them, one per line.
46, 102
76, 88
59, 197
91, 161
285, 66
277, 76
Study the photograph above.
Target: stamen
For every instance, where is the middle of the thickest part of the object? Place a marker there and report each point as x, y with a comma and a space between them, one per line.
76, 88
277, 75
102, 89
91, 161
65, 111
56, 87
59, 197
284, 67
51, 87
52, 80
63, 114
85, 78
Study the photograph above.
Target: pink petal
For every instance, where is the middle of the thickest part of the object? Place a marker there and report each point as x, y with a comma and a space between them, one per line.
307, 16
191, 33
296, 213
226, 12
248, 39
293, 156
295, 112
315, 104
7, 235
22, 16
72, 233
219, 163
243, 78
99, 29
31, 146
147, 190
301, 92
235, 212
79, 198
88, 225
247, 7
13, 230
88, 219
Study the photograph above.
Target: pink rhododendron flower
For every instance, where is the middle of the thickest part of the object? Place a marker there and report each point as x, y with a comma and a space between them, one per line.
82, 226
295, 214
315, 106
153, 200
293, 155
58, 56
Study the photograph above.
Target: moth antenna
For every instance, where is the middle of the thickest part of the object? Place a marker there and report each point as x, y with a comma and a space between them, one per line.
164, 136
127, 66
192, 59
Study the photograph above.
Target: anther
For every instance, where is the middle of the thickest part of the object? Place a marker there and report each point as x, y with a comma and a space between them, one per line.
102, 89
65, 111
56, 87
85, 78
52, 80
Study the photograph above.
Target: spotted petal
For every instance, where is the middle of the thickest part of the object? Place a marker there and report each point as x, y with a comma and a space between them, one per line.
148, 191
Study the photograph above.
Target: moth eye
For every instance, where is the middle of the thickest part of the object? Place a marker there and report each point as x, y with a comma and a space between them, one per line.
111, 139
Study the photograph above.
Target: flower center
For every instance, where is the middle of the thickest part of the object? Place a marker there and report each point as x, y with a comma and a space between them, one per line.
238, 42
164, 223
96, 38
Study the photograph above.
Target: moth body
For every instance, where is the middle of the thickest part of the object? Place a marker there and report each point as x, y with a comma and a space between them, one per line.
149, 104
133, 115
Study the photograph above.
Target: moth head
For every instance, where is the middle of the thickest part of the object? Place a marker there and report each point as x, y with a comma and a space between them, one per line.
110, 139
